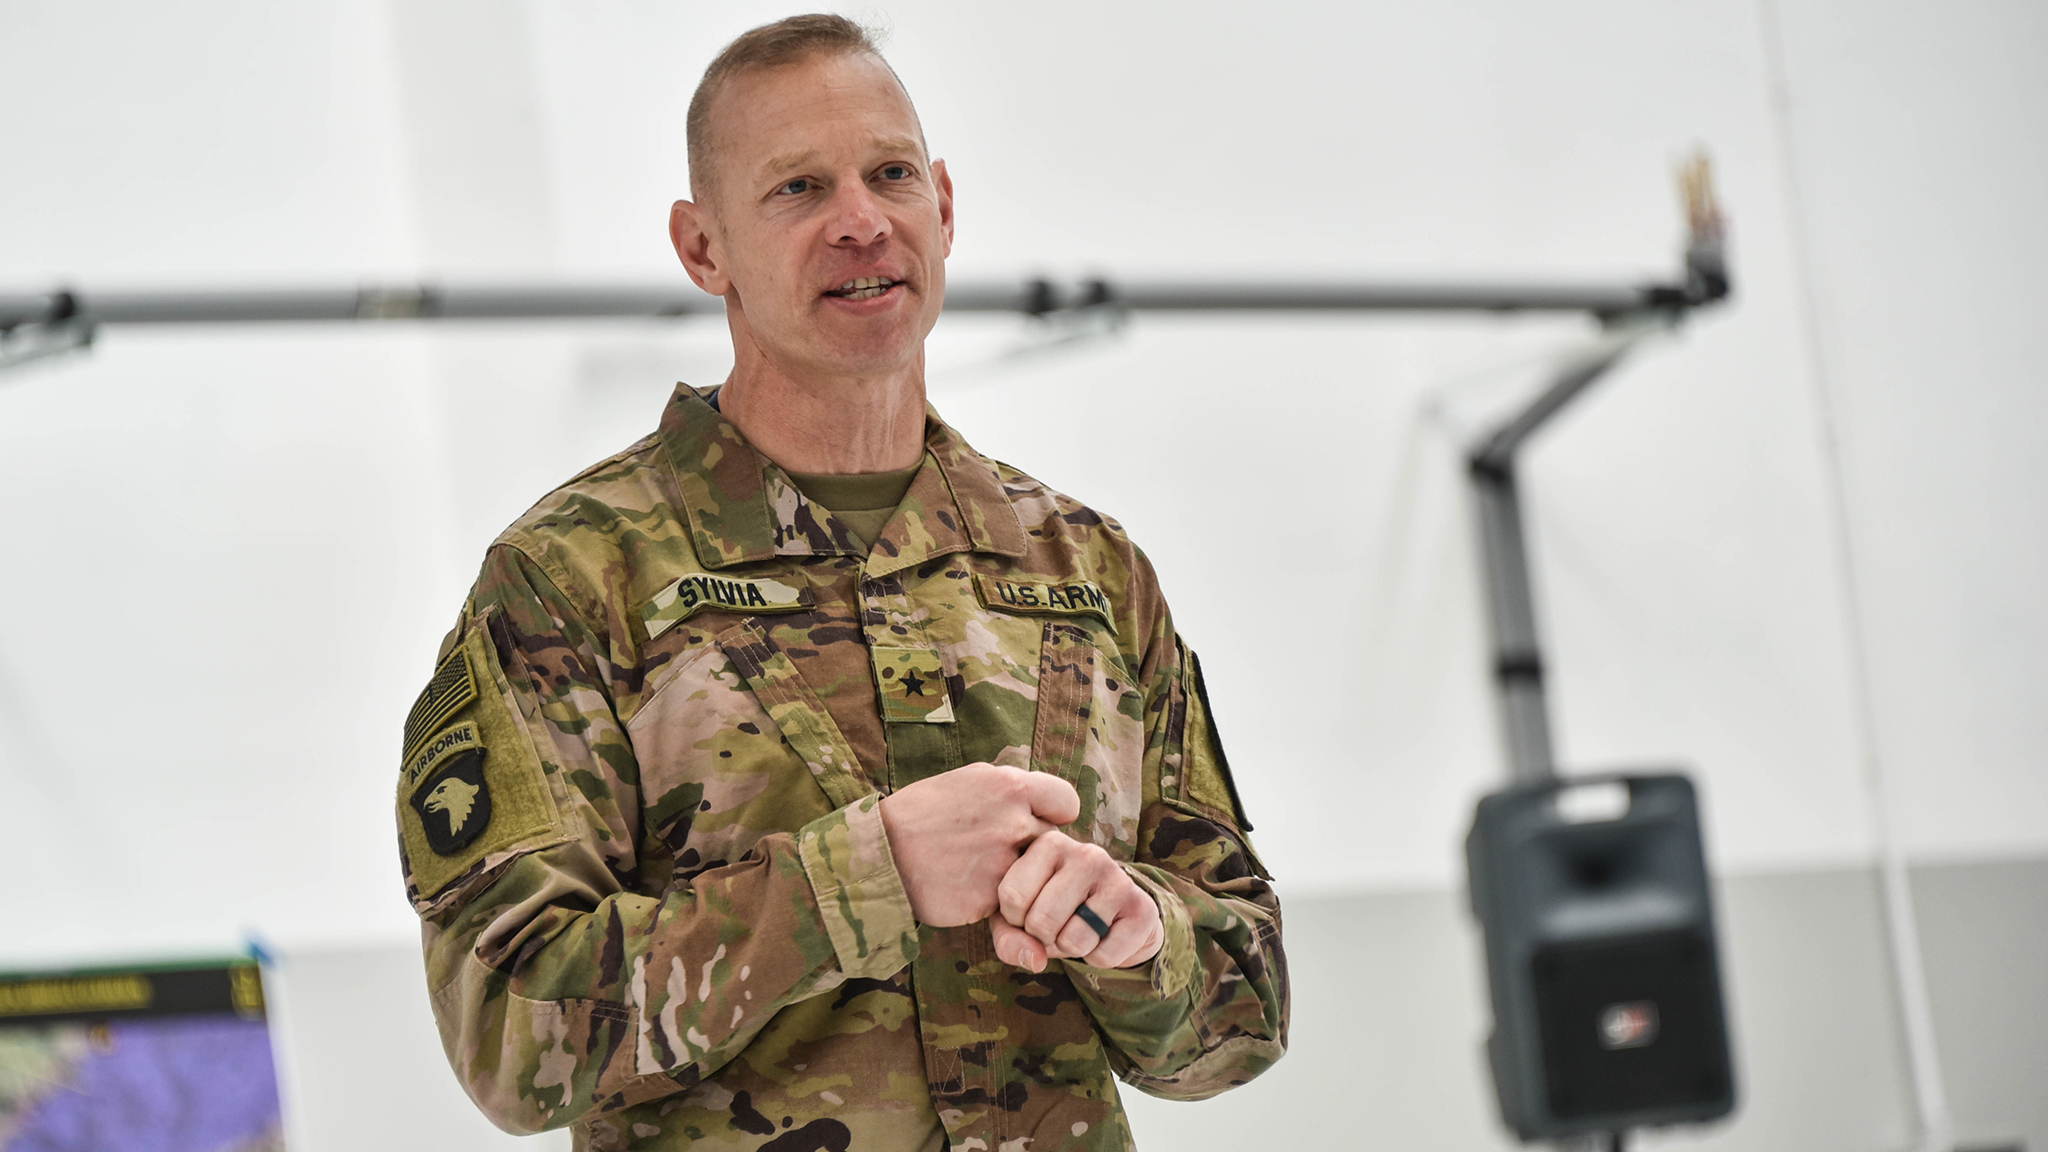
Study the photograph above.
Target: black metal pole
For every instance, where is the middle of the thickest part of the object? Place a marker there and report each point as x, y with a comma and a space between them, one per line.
1511, 610
428, 301
1511, 603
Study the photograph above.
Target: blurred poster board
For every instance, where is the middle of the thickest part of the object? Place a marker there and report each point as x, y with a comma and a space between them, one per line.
172, 1058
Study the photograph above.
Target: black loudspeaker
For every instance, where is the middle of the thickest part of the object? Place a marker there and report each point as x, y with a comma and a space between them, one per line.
1592, 893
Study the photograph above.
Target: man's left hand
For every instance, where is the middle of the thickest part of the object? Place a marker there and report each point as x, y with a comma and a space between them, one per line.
1035, 921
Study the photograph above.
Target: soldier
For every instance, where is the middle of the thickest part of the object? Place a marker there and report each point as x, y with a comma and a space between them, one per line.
799, 778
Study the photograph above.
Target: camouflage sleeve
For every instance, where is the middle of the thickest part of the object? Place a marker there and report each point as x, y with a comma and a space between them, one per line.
1209, 1012
563, 984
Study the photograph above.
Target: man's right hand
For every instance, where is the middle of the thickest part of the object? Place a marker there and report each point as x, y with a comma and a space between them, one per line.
955, 835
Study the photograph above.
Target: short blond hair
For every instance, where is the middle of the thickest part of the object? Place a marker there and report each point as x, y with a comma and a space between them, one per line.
791, 40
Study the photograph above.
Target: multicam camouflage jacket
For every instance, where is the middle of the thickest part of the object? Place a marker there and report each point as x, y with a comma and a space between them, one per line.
638, 811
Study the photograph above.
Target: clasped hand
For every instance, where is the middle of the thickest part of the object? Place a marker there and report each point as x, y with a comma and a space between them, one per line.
983, 842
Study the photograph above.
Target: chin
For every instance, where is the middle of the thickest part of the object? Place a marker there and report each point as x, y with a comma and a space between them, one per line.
870, 362
870, 352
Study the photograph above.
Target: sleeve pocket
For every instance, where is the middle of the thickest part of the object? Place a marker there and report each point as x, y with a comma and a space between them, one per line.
472, 794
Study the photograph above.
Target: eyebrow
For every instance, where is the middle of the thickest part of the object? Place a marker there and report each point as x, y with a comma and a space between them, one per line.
792, 160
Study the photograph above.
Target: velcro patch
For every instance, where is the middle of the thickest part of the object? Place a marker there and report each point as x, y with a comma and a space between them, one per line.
453, 687
693, 594
1208, 769
473, 789
911, 683
1035, 598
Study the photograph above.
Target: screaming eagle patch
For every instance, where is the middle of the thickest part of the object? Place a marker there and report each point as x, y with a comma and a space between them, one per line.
449, 791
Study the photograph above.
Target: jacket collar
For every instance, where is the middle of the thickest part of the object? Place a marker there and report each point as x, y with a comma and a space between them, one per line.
742, 508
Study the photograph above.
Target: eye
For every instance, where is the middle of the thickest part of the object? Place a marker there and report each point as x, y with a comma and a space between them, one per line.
896, 172
796, 187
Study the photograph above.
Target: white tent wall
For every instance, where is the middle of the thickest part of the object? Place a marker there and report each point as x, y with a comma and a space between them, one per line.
232, 551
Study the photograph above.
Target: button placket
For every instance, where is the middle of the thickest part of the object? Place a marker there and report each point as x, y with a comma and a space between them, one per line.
954, 972
912, 683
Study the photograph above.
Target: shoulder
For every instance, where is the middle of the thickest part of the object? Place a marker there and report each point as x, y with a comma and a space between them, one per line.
1067, 538
593, 532
1054, 514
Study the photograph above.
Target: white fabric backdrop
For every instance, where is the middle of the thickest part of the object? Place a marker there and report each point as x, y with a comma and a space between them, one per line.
231, 552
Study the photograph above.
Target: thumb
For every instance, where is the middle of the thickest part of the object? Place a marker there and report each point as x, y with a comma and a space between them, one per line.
1052, 799
1016, 946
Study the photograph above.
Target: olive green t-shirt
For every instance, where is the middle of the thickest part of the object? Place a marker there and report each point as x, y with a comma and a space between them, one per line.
863, 501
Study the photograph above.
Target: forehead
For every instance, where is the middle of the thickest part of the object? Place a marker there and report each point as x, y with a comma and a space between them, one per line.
825, 106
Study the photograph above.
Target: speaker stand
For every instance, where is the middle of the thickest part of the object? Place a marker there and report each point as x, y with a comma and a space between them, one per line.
1517, 656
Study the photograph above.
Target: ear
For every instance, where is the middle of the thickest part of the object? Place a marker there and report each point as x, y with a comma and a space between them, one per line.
944, 184
689, 229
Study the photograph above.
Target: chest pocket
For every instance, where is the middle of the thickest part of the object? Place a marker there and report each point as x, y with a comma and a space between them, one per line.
1090, 731
732, 745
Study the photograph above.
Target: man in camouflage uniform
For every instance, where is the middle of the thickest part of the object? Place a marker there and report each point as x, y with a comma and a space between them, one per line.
748, 809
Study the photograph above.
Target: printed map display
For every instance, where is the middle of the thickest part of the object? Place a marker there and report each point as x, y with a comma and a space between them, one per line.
138, 1060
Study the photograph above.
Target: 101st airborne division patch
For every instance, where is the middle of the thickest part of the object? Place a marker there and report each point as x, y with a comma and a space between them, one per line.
471, 785
449, 791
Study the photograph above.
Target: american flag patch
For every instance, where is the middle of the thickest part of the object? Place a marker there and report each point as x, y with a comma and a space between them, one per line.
451, 688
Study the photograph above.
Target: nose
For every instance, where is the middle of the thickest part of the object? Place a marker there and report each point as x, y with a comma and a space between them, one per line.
857, 217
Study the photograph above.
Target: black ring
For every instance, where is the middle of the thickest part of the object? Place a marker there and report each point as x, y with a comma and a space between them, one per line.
1094, 920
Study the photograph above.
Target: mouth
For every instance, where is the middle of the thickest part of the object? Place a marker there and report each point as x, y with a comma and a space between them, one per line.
864, 288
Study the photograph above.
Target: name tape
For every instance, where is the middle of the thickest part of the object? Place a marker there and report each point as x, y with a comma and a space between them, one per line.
693, 594
1033, 598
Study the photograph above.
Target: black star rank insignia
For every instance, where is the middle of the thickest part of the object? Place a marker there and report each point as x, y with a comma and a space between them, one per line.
911, 683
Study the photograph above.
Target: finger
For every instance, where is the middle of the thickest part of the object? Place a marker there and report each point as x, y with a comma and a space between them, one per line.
1005, 942
1079, 937
1089, 928
1092, 919
1024, 829
1130, 949
1015, 946
1051, 798
1135, 935
1080, 875
1132, 940
1019, 887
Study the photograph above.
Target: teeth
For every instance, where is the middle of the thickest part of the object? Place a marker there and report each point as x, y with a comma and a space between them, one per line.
865, 287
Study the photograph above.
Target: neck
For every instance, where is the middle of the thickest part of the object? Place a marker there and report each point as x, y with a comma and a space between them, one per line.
840, 423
